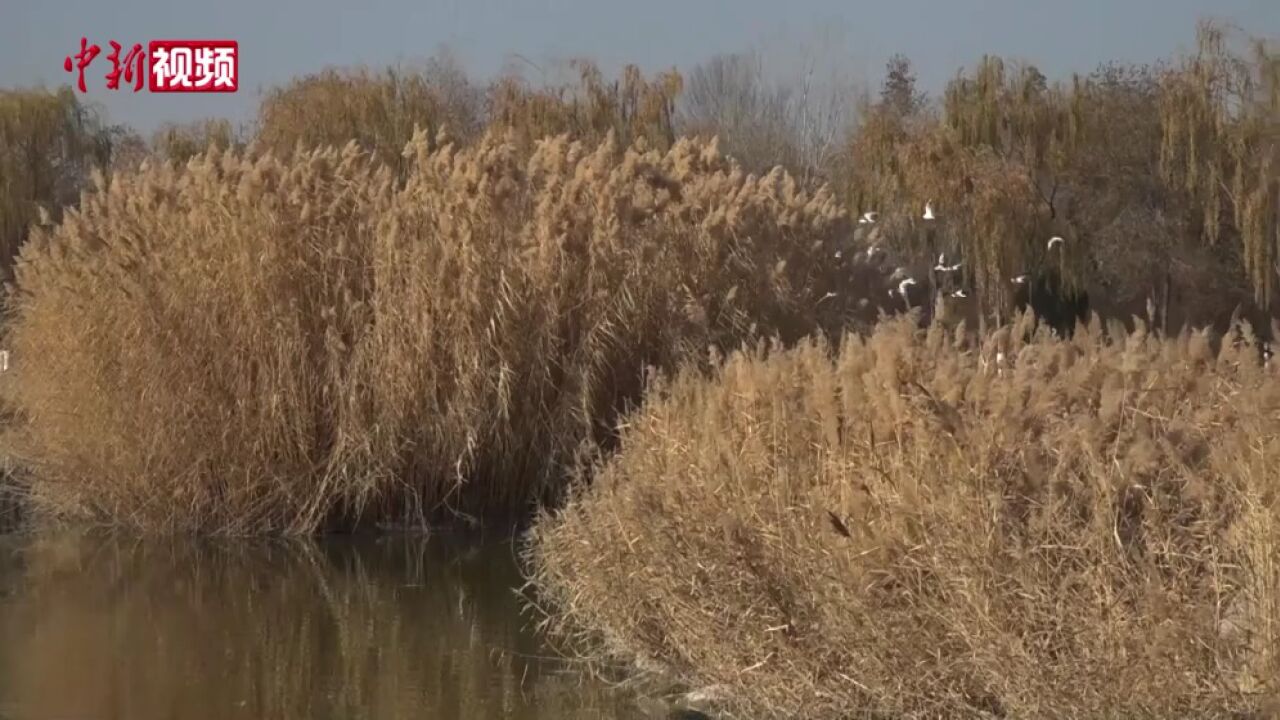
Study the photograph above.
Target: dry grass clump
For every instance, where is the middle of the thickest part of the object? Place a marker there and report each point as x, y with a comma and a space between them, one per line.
1086, 528
264, 345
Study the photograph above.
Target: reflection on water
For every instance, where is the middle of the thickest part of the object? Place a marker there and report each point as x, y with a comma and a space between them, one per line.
389, 627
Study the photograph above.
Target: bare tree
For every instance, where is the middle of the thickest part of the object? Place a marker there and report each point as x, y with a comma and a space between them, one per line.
729, 97
796, 119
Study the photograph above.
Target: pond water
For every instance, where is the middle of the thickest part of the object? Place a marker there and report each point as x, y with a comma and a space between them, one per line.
371, 628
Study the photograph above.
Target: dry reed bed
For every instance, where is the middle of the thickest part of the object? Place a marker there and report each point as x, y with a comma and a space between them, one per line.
250, 344
908, 530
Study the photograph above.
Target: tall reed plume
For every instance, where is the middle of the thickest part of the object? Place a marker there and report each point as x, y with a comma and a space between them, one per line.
918, 525
256, 345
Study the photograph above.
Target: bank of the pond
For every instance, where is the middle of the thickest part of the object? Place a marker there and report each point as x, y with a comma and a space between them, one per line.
924, 528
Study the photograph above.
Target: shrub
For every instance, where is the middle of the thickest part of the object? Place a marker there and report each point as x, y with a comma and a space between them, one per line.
926, 526
264, 345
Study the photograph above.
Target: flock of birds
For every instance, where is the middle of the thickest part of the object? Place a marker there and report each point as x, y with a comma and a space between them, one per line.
905, 282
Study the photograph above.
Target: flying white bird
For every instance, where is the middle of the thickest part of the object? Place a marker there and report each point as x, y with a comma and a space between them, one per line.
1020, 280
942, 265
902, 287
986, 365
828, 296
959, 294
1055, 240
868, 218
928, 210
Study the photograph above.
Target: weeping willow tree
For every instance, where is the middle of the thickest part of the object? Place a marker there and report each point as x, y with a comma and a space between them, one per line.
1144, 170
1021, 136
378, 110
989, 165
1220, 114
49, 145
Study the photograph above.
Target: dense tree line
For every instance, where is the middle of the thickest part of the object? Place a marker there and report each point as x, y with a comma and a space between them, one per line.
1163, 180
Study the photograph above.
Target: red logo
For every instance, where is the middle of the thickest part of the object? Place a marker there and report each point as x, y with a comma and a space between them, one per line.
133, 66
83, 58
168, 65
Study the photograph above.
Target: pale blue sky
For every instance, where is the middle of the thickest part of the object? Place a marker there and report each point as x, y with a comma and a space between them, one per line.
281, 38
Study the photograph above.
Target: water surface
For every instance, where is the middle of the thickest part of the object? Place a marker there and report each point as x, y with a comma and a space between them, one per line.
378, 628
